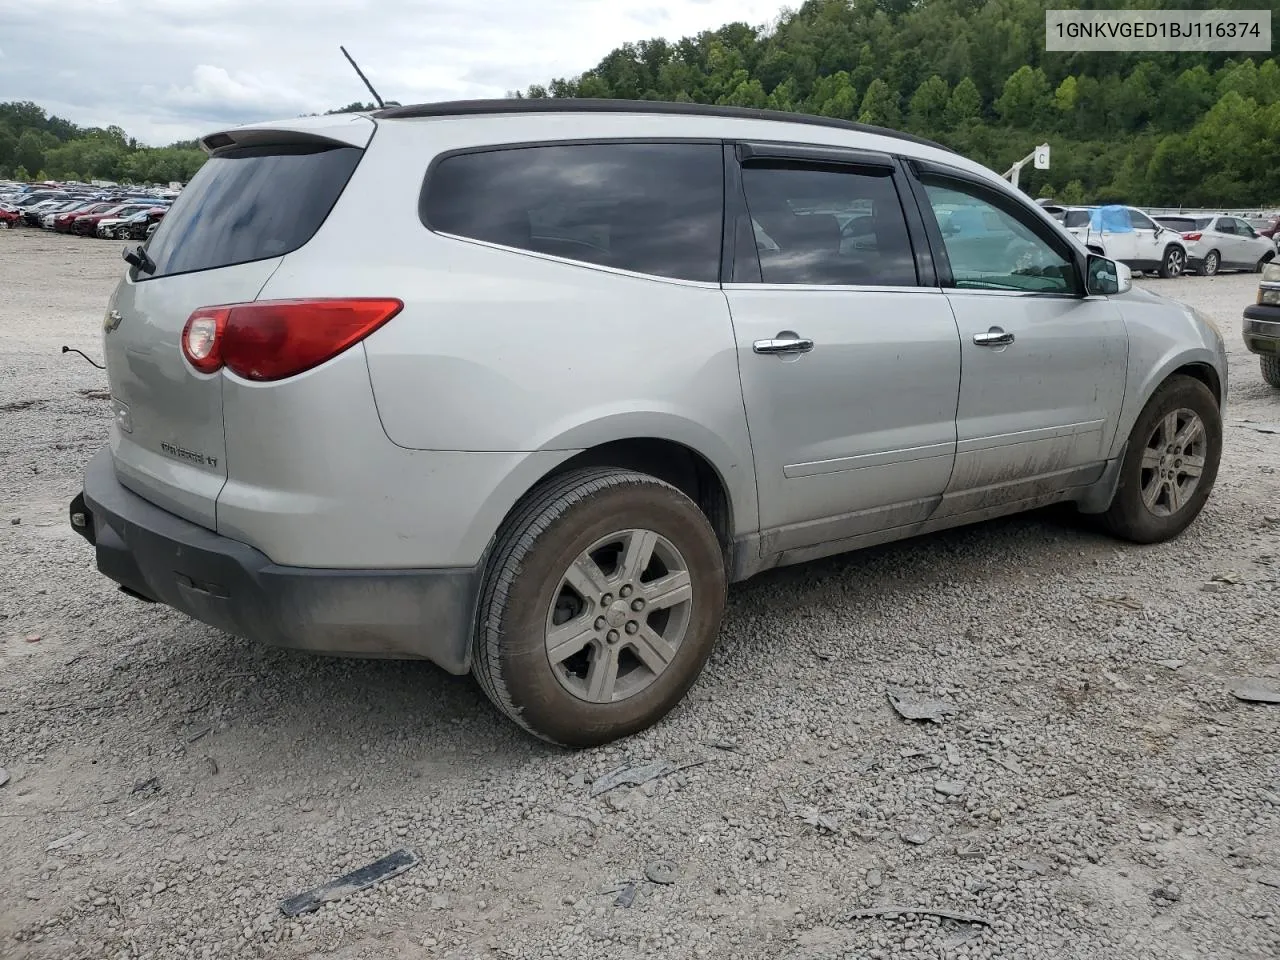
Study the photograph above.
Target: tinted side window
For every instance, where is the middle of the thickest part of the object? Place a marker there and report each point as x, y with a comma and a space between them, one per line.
989, 248
652, 208
1226, 225
1076, 218
1140, 221
249, 204
828, 225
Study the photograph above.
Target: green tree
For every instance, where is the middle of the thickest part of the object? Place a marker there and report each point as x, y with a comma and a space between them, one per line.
1073, 193
928, 108
965, 103
1186, 99
1025, 97
880, 106
834, 96
1064, 98
21, 173
29, 153
748, 93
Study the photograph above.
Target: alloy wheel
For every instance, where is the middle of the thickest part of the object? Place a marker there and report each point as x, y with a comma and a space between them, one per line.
1173, 461
619, 615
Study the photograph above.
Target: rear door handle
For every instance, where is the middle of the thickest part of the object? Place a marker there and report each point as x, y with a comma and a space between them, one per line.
783, 343
995, 337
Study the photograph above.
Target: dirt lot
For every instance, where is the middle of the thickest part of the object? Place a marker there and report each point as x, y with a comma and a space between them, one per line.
1098, 794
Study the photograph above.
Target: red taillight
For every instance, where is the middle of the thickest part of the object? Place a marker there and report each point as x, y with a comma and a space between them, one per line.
274, 339
202, 338
1192, 236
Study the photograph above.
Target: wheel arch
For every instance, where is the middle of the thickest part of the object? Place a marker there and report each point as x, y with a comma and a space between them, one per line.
709, 472
1197, 363
685, 468
1205, 373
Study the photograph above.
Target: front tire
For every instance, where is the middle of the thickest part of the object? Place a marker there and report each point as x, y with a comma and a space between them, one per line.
1267, 258
1212, 262
1271, 370
601, 603
1174, 263
1170, 465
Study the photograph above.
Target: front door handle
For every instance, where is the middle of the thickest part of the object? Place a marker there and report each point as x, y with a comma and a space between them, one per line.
783, 343
995, 337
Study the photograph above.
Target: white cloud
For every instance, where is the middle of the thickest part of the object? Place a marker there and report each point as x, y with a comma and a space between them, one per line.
165, 70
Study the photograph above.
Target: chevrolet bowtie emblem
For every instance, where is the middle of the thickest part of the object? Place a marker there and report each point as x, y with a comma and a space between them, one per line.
112, 321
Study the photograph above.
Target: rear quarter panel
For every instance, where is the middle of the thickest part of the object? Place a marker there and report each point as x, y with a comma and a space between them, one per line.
506, 352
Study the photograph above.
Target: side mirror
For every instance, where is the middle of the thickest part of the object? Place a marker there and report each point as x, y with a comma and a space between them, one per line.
1096, 248
1107, 277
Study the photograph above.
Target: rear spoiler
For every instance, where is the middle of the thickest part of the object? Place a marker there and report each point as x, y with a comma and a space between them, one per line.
338, 130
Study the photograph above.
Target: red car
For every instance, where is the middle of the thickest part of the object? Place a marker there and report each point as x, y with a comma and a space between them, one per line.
63, 223
87, 223
8, 218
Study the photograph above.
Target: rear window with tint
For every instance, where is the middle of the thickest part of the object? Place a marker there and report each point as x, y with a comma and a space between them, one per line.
1181, 224
652, 208
250, 203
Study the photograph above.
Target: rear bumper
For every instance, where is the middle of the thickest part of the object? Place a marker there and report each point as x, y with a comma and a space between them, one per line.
157, 556
1262, 329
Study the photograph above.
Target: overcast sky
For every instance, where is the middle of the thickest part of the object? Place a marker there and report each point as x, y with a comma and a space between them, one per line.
167, 70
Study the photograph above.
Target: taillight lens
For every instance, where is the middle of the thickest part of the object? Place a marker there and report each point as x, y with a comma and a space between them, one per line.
274, 339
1192, 236
202, 338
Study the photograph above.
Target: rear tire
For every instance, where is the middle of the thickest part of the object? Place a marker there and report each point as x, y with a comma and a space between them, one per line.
1174, 262
1212, 261
601, 603
1271, 370
1178, 432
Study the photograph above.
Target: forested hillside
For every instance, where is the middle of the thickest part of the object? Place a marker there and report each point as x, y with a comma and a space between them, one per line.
1190, 128
1151, 128
34, 144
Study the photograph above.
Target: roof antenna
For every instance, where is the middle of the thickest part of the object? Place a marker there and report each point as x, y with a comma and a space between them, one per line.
381, 105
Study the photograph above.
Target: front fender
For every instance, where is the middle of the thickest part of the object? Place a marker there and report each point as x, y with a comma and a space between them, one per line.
1164, 337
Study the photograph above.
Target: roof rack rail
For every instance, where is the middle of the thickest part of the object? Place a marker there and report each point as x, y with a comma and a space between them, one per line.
459, 108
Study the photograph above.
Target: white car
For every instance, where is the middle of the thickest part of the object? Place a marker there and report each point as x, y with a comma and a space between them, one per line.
1221, 243
1130, 236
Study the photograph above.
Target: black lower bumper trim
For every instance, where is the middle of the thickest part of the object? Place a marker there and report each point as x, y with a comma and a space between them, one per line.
1262, 328
151, 553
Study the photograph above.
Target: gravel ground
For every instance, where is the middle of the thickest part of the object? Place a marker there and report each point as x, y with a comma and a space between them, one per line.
1098, 793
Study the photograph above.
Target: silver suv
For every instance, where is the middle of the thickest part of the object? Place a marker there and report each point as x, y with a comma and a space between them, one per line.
520, 386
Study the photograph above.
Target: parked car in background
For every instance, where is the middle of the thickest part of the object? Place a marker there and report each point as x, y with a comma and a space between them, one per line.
1262, 324
9, 218
1219, 242
1076, 221
850, 337
63, 222
75, 206
131, 228
1130, 236
87, 225
107, 227
31, 214
1266, 226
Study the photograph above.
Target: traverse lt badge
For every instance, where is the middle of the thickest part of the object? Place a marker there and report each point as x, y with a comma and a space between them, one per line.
111, 321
